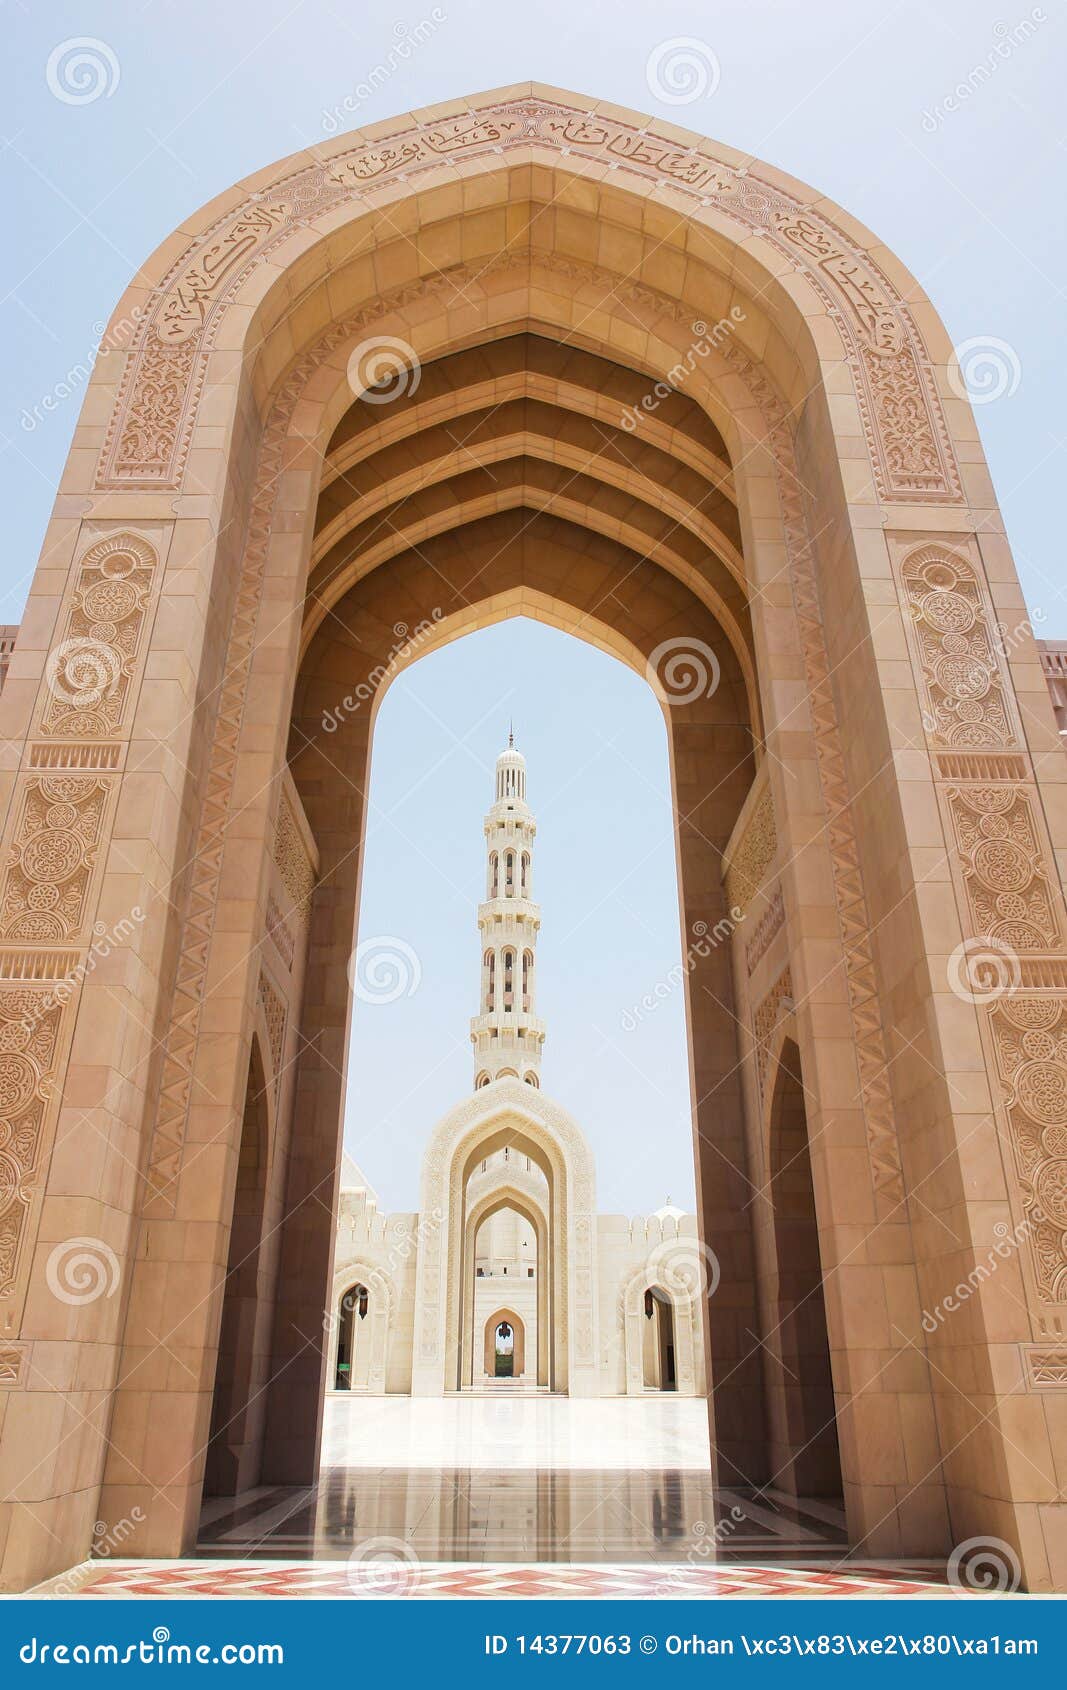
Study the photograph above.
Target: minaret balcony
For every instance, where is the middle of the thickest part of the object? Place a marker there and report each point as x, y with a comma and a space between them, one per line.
497, 914
507, 1022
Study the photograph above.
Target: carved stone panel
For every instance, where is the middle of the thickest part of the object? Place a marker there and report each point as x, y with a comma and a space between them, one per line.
29, 1036
47, 877
1030, 1036
765, 1020
753, 854
956, 649
1009, 896
91, 667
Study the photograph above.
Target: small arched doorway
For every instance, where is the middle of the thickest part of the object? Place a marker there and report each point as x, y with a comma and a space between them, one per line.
805, 1457
659, 1369
504, 1346
354, 1308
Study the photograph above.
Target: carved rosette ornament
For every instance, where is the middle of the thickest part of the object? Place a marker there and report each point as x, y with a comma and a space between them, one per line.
45, 889
91, 667
964, 685
1004, 868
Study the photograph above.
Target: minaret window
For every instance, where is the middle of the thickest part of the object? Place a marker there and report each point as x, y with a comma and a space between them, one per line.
494, 874
509, 980
489, 962
525, 886
509, 875
527, 975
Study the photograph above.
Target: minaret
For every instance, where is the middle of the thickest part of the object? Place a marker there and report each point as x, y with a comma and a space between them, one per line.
506, 1033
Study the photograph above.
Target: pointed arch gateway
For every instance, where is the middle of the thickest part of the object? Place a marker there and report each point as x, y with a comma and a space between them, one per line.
709, 432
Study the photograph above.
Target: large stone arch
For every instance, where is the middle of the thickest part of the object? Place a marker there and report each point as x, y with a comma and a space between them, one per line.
187, 514
507, 1112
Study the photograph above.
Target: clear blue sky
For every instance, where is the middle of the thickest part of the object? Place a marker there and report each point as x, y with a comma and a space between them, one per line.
604, 874
848, 96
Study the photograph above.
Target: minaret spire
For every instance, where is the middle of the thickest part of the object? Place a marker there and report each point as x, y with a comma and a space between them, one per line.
506, 1033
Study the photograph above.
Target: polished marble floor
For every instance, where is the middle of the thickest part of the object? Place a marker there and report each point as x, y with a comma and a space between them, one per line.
498, 1428
499, 1478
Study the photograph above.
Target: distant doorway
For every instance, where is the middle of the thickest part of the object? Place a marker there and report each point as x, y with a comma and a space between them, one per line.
505, 1345
658, 1347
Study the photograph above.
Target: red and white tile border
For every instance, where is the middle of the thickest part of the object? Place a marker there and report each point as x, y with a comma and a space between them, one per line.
443, 1580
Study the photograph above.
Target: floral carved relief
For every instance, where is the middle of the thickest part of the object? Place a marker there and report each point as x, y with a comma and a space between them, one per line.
29, 1036
49, 870
1008, 892
294, 864
274, 1013
1030, 1037
765, 1019
753, 855
962, 677
91, 667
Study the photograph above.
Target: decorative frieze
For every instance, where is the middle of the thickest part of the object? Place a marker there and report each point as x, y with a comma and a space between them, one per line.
753, 854
768, 927
1046, 1369
778, 1001
14, 1361
902, 415
275, 1012
294, 863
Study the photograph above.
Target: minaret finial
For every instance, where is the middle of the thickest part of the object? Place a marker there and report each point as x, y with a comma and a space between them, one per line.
511, 732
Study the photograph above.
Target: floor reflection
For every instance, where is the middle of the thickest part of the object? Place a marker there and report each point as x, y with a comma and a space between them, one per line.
508, 1514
